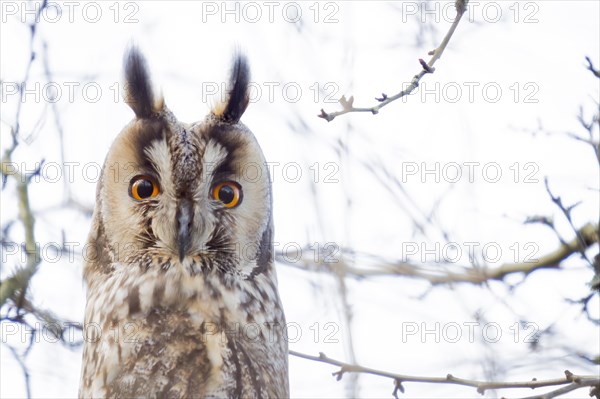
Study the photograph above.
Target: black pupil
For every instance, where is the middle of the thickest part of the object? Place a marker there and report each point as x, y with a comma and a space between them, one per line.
226, 194
144, 188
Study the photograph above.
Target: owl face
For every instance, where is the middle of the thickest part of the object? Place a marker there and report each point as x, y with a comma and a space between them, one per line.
193, 195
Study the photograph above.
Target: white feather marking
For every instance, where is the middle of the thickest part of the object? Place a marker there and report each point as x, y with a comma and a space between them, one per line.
160, 156
214, 352
214, 155
146, 292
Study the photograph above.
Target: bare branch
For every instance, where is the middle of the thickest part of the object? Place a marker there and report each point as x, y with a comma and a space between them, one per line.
52, 323
426, 67
586, 237
19, 281
570, 380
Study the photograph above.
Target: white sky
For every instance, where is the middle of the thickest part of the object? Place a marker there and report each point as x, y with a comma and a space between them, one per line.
524, 67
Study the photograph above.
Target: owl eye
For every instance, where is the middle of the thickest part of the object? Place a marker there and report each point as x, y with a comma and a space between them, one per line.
228, 192
143, 187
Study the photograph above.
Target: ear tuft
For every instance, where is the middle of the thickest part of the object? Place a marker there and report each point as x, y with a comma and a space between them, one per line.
238, 95
138, 86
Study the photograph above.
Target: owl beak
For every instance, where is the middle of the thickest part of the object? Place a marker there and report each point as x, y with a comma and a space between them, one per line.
184, 223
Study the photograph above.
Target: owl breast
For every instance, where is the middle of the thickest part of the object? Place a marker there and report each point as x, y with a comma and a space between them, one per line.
162, 340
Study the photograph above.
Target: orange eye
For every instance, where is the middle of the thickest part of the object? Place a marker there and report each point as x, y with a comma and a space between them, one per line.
143, 187
228, 192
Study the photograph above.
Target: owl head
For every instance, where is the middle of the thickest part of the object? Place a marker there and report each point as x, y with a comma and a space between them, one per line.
190, 195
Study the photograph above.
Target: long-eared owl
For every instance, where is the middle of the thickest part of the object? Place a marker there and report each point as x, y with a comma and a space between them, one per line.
182, 294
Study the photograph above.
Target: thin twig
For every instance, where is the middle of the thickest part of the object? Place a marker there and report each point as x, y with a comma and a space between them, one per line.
24, 369
426, 67
578, 381
591, 68
566, 210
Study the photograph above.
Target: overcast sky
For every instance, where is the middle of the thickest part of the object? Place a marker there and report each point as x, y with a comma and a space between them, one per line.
463, 147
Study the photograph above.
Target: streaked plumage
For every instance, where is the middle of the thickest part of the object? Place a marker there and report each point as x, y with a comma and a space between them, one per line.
182, 293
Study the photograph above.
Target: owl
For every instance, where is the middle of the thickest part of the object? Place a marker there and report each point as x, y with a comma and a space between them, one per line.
182, 296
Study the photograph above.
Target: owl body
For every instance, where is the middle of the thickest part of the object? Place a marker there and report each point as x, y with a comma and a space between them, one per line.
182, 293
